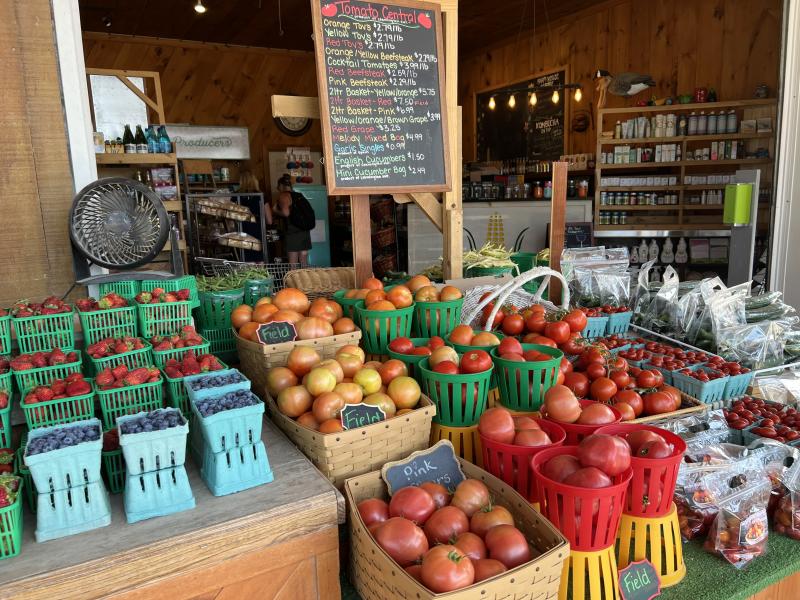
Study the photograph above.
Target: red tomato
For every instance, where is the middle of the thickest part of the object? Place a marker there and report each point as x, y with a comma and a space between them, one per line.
565, 366
439, 493
403, 345
489, 516
674, 392
632, 398
646, 379
535, 356
560, 404
509, 345
558, 331
625, 410
512, 356
513, 324
373, 510
608, 453
593, 355
576, 320
471, 545
415, 571
475, 361
412, 503
486, 313
578, 383
597, 414
602, 389
435, 342
532, 438
595, 371
497, 424
470, 496
402, 540
588, 477
573, 346
524, 423
619, 364
446, 523
658, 403
535, 323
445, 568
507, 544
447, 367
560, 467
486, 568
655, 449
421, 351
541, 340
621, 378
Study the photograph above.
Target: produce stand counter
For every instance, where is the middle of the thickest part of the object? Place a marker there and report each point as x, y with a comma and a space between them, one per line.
278, 540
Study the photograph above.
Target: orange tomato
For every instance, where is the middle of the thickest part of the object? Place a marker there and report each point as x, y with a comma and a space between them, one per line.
417, 281
373, 284
343, 325
400, 296
286, 315
264, 300
248, 331
381, 305
461, 334
241, 315
374, 296
291, 299
264, 312
450, 292
331, 426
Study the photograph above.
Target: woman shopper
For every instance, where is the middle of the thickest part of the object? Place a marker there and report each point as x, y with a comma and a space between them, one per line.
300, 220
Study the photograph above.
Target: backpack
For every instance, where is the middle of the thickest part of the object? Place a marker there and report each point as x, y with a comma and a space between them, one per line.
301, 215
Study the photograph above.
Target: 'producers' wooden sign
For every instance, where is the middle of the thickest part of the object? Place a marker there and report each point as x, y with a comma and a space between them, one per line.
360, 415
380, 75
438, 464
276, 332
639, 581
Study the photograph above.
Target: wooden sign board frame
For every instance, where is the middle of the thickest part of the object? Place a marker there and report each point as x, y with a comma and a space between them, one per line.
322, 84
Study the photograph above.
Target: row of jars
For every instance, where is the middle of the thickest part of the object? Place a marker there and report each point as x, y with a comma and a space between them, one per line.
636, 199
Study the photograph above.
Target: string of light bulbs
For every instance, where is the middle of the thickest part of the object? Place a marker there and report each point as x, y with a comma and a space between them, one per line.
555, 97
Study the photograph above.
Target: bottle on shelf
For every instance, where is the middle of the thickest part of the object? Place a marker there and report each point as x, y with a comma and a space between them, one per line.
128, 142
731, 122
692, 124
643, 252
653, 251
702, 123
618, 130
148, 181
152, 140
634, 255
667, 255
140, 141
165, 144
712, 123
681, 256
682, 125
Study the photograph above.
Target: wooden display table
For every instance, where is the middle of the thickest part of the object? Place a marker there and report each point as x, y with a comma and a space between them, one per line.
278, 540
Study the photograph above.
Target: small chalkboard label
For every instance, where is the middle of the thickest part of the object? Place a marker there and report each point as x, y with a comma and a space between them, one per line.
277, 332
361, 415
639, 581
438, 464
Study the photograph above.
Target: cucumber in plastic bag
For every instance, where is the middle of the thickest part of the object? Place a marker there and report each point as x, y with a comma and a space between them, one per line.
761, 300
770, 312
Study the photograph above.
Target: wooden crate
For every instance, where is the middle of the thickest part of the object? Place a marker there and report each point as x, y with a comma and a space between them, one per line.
357, 451
377, 577
256, 359
688, 405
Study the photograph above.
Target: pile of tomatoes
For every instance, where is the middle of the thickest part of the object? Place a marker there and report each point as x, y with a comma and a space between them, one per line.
314, 391
404, 345
446, 542
599, 459
726, 367
535, 326
703, 375
448, 362
774, 421
611, 310
499, 425
464, 335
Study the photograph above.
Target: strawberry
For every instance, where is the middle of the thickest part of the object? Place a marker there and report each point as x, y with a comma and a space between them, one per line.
6, 460
191, 366
154, 378
137, 376
111, 440
120, 371
181, 344
143, 297
39, 360
43, 394
22, 363
72, 357
120, 348
154, 372
3, 400
59, 386
104, 377
137, 344
57, 357
104, 303
85, 304
183, 294
79, 388
74, 377
157, 291
168, 297
173, 372
30, 398
165, 345
5, 364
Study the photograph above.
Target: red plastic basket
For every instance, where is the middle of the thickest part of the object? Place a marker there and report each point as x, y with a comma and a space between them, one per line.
576, 431
653, 483
589, 518
512, 463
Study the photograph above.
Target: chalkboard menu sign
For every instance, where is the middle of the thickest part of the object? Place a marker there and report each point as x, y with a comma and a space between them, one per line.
524, 131
276, 332
381, 83
438, 464
578, 234
360, 415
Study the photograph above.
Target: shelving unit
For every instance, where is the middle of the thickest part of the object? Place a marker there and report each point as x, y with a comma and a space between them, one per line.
683, 216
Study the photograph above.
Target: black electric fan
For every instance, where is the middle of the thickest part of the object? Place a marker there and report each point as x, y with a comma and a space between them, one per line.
120, 224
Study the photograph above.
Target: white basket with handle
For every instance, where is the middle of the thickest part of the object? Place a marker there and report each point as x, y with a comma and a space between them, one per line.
510, 293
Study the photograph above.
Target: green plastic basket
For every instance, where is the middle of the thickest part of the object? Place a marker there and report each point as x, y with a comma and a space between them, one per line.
216, 308
487, 271
177, 395
223, 343
7, 382
45, 332
460, 399
5, 335
161, 357
111, 323
5, 425
114, 470
348, 304
522, 385
379, 327
29, 489
164, 318
129, 401
45, 375
411, 360
58, 412
255, 289
436, 318
525, 261
187, 282
126, 289
11, 526
461, 349
143, 357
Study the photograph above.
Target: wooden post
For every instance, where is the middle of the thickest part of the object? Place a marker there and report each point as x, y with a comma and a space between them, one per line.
362, 237
558, 212
452, 212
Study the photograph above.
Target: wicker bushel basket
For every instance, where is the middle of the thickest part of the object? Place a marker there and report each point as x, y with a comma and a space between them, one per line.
358, 451
321, 282
377, 577
256, 359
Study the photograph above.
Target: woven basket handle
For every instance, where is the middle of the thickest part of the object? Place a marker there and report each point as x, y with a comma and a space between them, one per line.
505, 291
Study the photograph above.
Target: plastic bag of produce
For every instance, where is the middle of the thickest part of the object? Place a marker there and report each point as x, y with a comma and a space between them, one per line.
659, 316
756, 346
586, 268
740, 529
614, 286
642, 296
690, 307
786, 518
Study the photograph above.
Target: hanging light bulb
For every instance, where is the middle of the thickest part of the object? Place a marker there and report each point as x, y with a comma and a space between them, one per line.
578, 94
556, 97
533, 99
199, 8
492, 103
512, 102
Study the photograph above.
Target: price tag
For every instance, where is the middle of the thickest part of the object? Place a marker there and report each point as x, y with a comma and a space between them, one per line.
360, 415
276, 332
639, 581
438, 464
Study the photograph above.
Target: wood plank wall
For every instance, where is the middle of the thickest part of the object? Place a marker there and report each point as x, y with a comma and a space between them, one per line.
214, 84
36, 186
727, 44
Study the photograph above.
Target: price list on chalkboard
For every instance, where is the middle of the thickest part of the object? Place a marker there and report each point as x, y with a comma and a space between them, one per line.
381, 78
